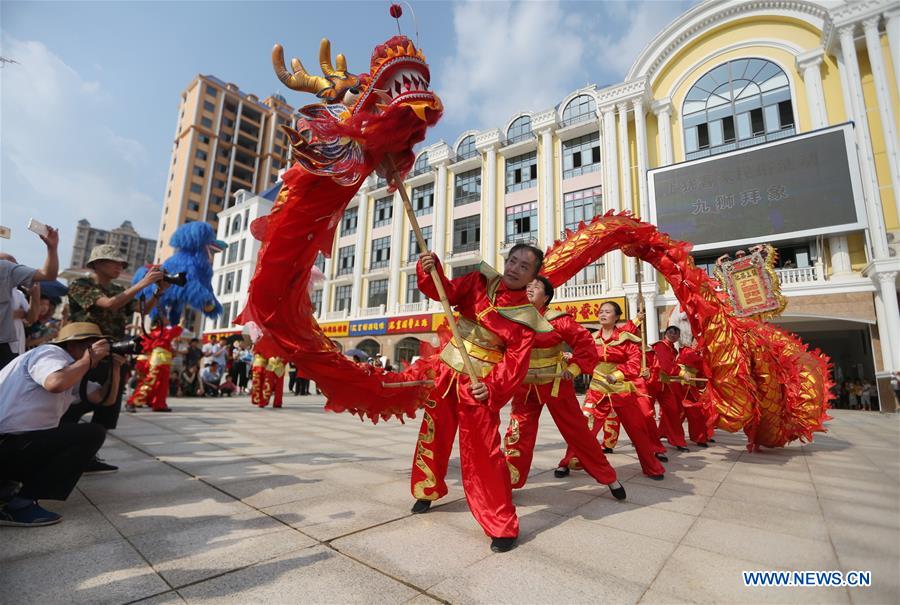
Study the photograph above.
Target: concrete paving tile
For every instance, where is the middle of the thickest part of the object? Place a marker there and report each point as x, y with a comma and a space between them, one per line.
166, 598
409, 549
654, 597
261, 492
110, 572
520, 576
622, 554
667, 499
761, 482
748, 469
764, 546
210, 548
422, 600
554, 499
700, 576
809, 524
789, 500
312, 575
644, 520
327, 517
678, 483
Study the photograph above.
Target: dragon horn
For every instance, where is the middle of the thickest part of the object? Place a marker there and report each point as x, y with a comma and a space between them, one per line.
300, 80
325, 60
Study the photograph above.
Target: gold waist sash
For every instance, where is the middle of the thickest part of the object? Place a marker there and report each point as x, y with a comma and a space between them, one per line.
161, 357
484, 347
600, 384
545, 365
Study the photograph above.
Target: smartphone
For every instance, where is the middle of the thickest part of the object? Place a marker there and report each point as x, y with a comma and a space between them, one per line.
38, 227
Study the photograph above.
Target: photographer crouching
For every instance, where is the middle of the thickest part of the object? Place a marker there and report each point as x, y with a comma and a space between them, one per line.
45, 457
99, 300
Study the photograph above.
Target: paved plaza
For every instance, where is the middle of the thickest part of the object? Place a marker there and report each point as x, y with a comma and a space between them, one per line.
221, 502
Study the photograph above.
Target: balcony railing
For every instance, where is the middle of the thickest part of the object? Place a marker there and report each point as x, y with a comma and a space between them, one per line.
465, 248
741, 144
581, 291
799, 275
572, 120
371, 311
342, 314
520, 238
416, 307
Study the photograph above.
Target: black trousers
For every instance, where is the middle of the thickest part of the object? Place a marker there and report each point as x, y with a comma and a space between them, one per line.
106, 416
6, 354
49, 463
239, 374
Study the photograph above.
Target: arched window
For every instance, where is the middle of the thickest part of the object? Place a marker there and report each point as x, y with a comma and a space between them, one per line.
370, 347
236, 223
466, 148
421, 165
579, 109
406, 349
519, 130
738, 104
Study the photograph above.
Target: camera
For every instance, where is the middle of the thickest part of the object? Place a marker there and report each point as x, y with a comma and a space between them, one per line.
176, 279
130, 346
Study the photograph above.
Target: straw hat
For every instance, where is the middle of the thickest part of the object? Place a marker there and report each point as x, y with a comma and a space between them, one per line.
107, 252
79, 330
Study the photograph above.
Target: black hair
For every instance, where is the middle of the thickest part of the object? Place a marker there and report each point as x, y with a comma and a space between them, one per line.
548, 288
676, 328
538, 254
615, 306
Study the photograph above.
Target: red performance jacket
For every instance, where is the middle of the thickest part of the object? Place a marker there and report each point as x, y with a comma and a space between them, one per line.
498, 328
547, 354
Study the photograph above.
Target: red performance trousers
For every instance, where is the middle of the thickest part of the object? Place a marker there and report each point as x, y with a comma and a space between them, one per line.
671, 413
273, 385
258, 376
153, 389
484, 472
527, 404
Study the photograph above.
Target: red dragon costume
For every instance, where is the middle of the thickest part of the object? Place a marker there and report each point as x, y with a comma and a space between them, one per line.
153, 386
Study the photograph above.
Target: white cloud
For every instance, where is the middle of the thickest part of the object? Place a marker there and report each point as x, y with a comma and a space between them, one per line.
61, 162
510, 57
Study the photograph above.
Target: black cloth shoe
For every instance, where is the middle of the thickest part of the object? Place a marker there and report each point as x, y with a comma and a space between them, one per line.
681, 448
421, 506
657, 477
711, 440
617, 492
561, 472
702, 444
607, 450
661, 457
96, 466
502, 544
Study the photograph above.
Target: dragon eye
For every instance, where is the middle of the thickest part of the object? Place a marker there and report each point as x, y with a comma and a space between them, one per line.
351, 96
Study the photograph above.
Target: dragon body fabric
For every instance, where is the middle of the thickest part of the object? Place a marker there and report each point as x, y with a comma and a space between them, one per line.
366, 122
761, 379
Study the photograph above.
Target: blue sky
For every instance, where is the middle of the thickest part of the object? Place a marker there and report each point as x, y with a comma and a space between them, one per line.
87, 115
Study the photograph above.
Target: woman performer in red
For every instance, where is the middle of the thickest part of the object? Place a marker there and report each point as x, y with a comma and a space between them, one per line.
549, 381
700, 416
617, 382
665, 388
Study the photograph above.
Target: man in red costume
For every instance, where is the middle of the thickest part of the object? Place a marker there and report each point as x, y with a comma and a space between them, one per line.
273, 387
153, 388
258, 379
497, 325
667, 391
549, 381
699, 415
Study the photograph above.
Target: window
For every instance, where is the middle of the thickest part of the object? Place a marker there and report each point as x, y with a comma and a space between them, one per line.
348, 223
465, 269
232, 254
579, 109
208, 106
467, 187
228, 122
378, 290
216, 200
201, 155
521, 172
384, 211
229, 283
413, 294
237, 280
342, 296
735, 105
320, 262
211, 91
196, 188
219, 184
521, 223
581, 206
414, 245
206, 122
204, 139
423, 199
519, 130
581, 155
316, 300
221, 168
421, 165
242, 249
198, 171
195, 206
381, 253
346, 257
467, 233
466, 148
226, 315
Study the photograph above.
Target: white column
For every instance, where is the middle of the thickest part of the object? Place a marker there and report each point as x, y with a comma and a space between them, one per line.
885, 110
663, 110
889, 323
877, 233
809, 64
489, 205
611, 193
652, 317
640, 133
547, 231
326, 287
439, 227
624, 157
892, 28
840, 256
396, 247
362, 227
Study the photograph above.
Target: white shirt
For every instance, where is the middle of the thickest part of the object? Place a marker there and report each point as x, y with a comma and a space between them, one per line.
25, 405
18, 303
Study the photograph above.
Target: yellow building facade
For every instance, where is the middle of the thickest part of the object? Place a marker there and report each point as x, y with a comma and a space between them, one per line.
726, 79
